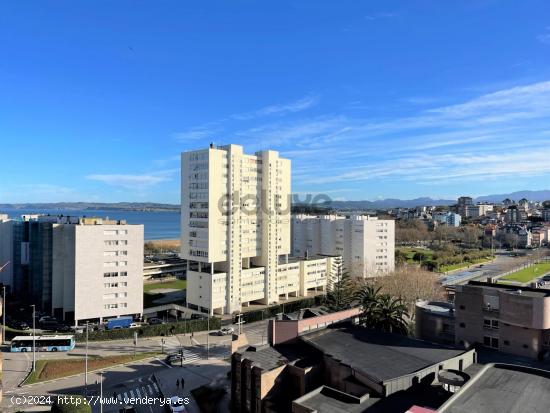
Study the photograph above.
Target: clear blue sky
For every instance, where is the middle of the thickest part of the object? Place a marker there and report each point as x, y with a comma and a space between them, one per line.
370, 99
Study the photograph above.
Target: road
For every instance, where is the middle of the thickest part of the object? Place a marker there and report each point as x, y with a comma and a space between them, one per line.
132, 380
502, 263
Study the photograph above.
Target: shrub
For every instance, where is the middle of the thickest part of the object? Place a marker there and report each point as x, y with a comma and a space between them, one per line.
290, 307
152, 331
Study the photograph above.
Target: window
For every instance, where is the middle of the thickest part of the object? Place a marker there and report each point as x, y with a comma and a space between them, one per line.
110, 274
109, 296
111, 242
123, 242
506, 343
123, 273
122, 263
462, 325
123, 253
110, 253
110, 306
462, 307
109, 264
109, 232
123, 232
490, 342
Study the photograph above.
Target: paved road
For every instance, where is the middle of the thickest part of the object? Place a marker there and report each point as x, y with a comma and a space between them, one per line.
502, 263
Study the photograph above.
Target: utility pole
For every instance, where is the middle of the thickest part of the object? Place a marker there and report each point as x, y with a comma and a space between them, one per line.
4, 314
208, 336
135, 342
162, 341
33, 337
101, 392
86, 363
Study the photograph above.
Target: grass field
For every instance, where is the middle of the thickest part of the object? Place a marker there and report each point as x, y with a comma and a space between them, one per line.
57, 368
445, 268
529, 273
172, 284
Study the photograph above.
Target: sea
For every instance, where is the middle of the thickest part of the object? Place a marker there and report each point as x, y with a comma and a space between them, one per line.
157, 224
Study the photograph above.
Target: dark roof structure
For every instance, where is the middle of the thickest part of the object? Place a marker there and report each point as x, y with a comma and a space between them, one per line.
501, 388
381, 356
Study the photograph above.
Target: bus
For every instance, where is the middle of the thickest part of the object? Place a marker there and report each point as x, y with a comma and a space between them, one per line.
43, 343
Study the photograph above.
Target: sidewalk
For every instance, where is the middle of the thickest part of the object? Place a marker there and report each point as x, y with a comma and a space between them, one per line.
196, 375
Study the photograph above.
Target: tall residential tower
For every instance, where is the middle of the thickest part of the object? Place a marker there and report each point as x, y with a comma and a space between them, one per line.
235, 230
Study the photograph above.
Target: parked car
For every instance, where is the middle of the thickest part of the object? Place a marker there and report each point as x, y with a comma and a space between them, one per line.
49, 325
20, 325
546, 278
46, 318
63, 328
176, 404
225, 331
196, 316
78, 330
134, 325
154, 320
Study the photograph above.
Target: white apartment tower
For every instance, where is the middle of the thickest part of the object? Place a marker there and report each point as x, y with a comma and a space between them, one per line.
366, 244
235, 213
235, 220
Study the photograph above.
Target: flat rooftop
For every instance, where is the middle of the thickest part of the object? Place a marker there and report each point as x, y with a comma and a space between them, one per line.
502, 388
381, 356
526, 291
328, 400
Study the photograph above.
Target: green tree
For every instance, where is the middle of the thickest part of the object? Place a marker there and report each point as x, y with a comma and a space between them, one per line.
382, 312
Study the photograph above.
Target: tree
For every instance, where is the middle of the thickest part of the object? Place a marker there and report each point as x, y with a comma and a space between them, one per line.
340, 295
381, 311
392, 315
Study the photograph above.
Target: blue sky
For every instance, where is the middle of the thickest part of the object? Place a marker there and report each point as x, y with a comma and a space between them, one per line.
370, 99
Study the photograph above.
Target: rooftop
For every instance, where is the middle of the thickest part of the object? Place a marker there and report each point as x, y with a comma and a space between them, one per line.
269, 358
381, 356
526, 291
503, 388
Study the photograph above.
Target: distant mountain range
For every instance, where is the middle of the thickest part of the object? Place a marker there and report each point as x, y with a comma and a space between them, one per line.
103, 206
541, 195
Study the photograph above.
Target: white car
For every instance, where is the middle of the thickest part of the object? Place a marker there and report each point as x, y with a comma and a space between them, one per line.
177, 405
133, 325
225, 331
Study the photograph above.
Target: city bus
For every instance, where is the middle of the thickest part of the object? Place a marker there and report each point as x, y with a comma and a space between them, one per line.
43, 343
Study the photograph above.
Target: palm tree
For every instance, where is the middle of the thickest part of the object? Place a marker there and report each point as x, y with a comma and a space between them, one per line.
391, 315
369, 299
381, 311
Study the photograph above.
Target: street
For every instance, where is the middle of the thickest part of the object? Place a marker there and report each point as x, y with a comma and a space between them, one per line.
145, 378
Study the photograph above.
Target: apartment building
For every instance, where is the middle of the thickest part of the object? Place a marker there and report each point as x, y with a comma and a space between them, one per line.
478, 210
366, 243
462, 205
447, 218
235, 220
78, 269
511, 319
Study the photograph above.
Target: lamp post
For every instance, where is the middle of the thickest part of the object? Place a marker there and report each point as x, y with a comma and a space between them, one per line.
33, 337
4, 314
208, 336
86, 363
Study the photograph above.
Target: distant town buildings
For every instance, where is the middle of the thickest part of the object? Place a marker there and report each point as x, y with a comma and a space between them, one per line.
76, 268
447, 218
235, 232
366, 243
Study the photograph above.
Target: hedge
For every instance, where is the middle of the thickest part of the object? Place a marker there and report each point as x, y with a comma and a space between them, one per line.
152, 330
251, 316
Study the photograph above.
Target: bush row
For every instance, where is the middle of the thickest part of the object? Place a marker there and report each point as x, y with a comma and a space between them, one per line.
251, 316
167, 329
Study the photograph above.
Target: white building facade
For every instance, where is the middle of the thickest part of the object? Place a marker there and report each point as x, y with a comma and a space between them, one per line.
97, 270
235, 221
366, 244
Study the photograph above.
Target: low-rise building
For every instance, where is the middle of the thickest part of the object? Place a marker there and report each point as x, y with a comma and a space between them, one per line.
342, 367
435, 321
511, 319
447, 218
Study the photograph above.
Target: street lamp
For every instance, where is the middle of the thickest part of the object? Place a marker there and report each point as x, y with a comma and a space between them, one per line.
86, 363
33, 337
